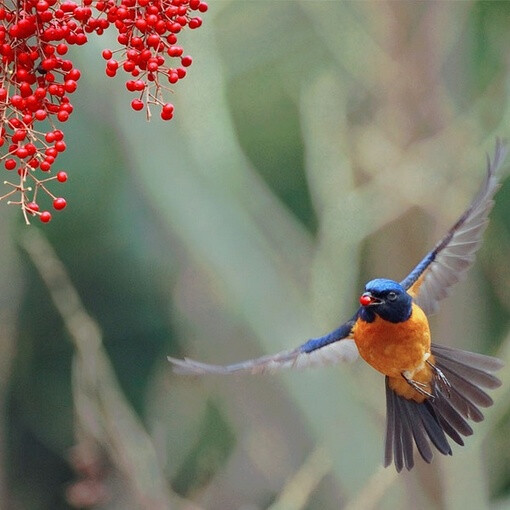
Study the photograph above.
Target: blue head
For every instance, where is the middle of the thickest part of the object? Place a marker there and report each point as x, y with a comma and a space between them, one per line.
386, 298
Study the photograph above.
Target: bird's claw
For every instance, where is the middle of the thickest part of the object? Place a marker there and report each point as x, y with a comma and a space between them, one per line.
443, 382
418, 386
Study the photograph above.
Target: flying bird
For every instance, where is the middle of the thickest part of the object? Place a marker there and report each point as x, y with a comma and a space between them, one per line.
431, 390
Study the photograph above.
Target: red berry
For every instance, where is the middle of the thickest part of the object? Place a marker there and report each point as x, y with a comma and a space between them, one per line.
59, 203
19, 135
61, 176
195, 22
107, 54
186, 61
32, 207
17, 101
137, 104
70, 86
22, 152
45, 165
40, 114
365, 300
167, 112
129, 66
42, 6
60, 146
112, 65
175, 51
31, 148
45, 216
151, 19
153, 40
10, 164
73, 74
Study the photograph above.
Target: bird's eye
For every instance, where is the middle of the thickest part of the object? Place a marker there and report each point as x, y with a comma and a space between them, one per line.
392, 296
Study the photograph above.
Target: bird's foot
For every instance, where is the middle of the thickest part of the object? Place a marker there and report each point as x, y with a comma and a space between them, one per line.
443, 382
417, 385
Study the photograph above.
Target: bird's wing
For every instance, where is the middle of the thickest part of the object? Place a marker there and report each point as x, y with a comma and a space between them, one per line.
326, 350
447, 263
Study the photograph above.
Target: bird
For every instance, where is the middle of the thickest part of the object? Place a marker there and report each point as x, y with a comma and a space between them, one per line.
432, 391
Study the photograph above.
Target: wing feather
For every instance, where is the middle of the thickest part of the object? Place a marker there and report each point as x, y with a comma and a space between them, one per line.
431, 280
329, 349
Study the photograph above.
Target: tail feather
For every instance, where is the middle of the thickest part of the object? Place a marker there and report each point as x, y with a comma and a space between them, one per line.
397, 438
407, 435
451, 415
450, 430
433, 427
419, 433
479, 377
464, 406
467, 388
390, 425
467, 358
427, 424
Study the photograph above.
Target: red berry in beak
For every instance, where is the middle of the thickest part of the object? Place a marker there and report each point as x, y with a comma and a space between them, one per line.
365, 299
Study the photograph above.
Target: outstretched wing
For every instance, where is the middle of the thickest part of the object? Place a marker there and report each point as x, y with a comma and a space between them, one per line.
326, 350
447, 263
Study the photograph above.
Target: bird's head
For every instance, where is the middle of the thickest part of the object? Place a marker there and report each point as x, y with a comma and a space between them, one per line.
386, 298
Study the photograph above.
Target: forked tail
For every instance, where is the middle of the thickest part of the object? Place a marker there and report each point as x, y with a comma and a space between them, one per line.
428, 423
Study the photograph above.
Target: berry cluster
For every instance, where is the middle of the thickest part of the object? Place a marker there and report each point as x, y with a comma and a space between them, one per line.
36, 78
148, 38
35, 83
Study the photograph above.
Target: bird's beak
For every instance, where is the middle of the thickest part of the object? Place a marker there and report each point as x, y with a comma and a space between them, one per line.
367, 299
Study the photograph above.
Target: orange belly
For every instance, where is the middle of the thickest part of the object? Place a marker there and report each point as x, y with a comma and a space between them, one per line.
401, 387
393, 348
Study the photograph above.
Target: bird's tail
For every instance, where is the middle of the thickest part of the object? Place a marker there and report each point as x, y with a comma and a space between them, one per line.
457, 397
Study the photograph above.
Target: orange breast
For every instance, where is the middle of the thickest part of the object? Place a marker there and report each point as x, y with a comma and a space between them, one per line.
392, 348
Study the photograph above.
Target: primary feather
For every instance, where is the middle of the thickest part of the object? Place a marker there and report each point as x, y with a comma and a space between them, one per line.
325, 350
329, 354
431, 280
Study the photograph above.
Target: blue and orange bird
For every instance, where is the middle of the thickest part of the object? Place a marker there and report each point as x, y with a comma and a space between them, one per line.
431, 391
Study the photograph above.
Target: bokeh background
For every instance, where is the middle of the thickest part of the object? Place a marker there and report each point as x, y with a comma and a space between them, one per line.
315, 145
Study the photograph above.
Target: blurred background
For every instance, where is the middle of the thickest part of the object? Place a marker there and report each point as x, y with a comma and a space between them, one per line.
315, 145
